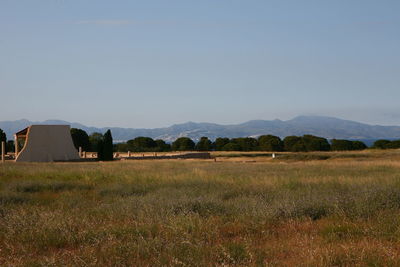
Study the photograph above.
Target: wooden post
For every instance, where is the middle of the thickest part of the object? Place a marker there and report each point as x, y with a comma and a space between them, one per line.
80, 152
3, 151
129, 154
16, 146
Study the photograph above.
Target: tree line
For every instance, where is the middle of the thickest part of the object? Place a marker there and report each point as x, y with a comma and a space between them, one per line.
96, 142
103, 144
271, 143
386, 144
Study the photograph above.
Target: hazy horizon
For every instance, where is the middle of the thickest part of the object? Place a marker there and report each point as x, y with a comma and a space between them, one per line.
191, 121
151, 64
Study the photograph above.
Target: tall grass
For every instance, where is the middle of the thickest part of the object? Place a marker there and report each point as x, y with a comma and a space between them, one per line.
201, 213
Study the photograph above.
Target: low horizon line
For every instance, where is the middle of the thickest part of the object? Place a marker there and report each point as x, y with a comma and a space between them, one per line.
200, 122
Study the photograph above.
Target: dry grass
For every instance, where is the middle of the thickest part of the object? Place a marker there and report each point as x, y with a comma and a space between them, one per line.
293, 211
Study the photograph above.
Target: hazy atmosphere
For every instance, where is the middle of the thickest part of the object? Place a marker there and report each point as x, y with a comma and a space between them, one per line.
156, 63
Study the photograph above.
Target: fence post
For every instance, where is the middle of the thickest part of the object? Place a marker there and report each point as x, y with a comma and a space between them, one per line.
80, 152
16, 146
3, 151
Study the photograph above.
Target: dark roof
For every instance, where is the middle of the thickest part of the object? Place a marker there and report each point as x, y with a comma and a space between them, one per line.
22, 132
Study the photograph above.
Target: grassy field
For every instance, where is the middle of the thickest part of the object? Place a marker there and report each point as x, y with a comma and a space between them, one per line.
310, 209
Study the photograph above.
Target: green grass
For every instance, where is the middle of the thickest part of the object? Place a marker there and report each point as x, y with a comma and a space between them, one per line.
341, 211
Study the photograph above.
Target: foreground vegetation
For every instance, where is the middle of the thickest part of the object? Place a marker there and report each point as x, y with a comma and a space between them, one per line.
304, 211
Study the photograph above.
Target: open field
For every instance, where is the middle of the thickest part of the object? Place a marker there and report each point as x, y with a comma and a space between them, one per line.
306, 209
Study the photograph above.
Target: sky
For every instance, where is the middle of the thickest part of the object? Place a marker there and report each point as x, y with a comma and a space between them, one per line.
154, 63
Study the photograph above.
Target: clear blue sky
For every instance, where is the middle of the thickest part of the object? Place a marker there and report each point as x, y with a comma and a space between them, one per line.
154, 63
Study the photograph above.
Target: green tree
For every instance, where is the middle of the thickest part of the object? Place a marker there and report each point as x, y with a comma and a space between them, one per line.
358, 145
246, 143
270, 143
220, 142
142, 144
393, 144
80, 139
231, 147
381, 144
162, 146
3, 138
183, 144
10, 147
121, 147
95, 139
294, 144
343, 145
204, 144
107, 154
100, 149
315, 143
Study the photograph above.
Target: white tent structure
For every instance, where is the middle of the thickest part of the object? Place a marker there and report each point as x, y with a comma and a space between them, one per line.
46, 143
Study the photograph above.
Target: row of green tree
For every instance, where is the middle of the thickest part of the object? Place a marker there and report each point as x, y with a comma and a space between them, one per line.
9, 143
96, 142
386, 144
303, 143
263, 143
103, 144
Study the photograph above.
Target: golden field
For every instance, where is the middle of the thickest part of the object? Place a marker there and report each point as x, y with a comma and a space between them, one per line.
245, 209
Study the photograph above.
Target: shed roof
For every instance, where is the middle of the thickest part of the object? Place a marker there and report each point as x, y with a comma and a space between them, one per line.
22, 132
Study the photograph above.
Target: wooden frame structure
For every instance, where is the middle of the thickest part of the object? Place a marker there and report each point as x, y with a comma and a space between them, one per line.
45, 143
21, 134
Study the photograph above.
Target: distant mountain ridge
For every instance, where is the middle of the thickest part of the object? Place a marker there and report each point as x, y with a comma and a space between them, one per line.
327, 127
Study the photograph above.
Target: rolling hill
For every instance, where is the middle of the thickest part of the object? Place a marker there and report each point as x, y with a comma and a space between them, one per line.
327, 127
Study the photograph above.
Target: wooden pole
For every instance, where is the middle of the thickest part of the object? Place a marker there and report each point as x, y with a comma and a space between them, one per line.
80, 152
16, 146
3, 151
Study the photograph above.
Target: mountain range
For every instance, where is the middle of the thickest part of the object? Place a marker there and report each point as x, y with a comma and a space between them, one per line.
327, 127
